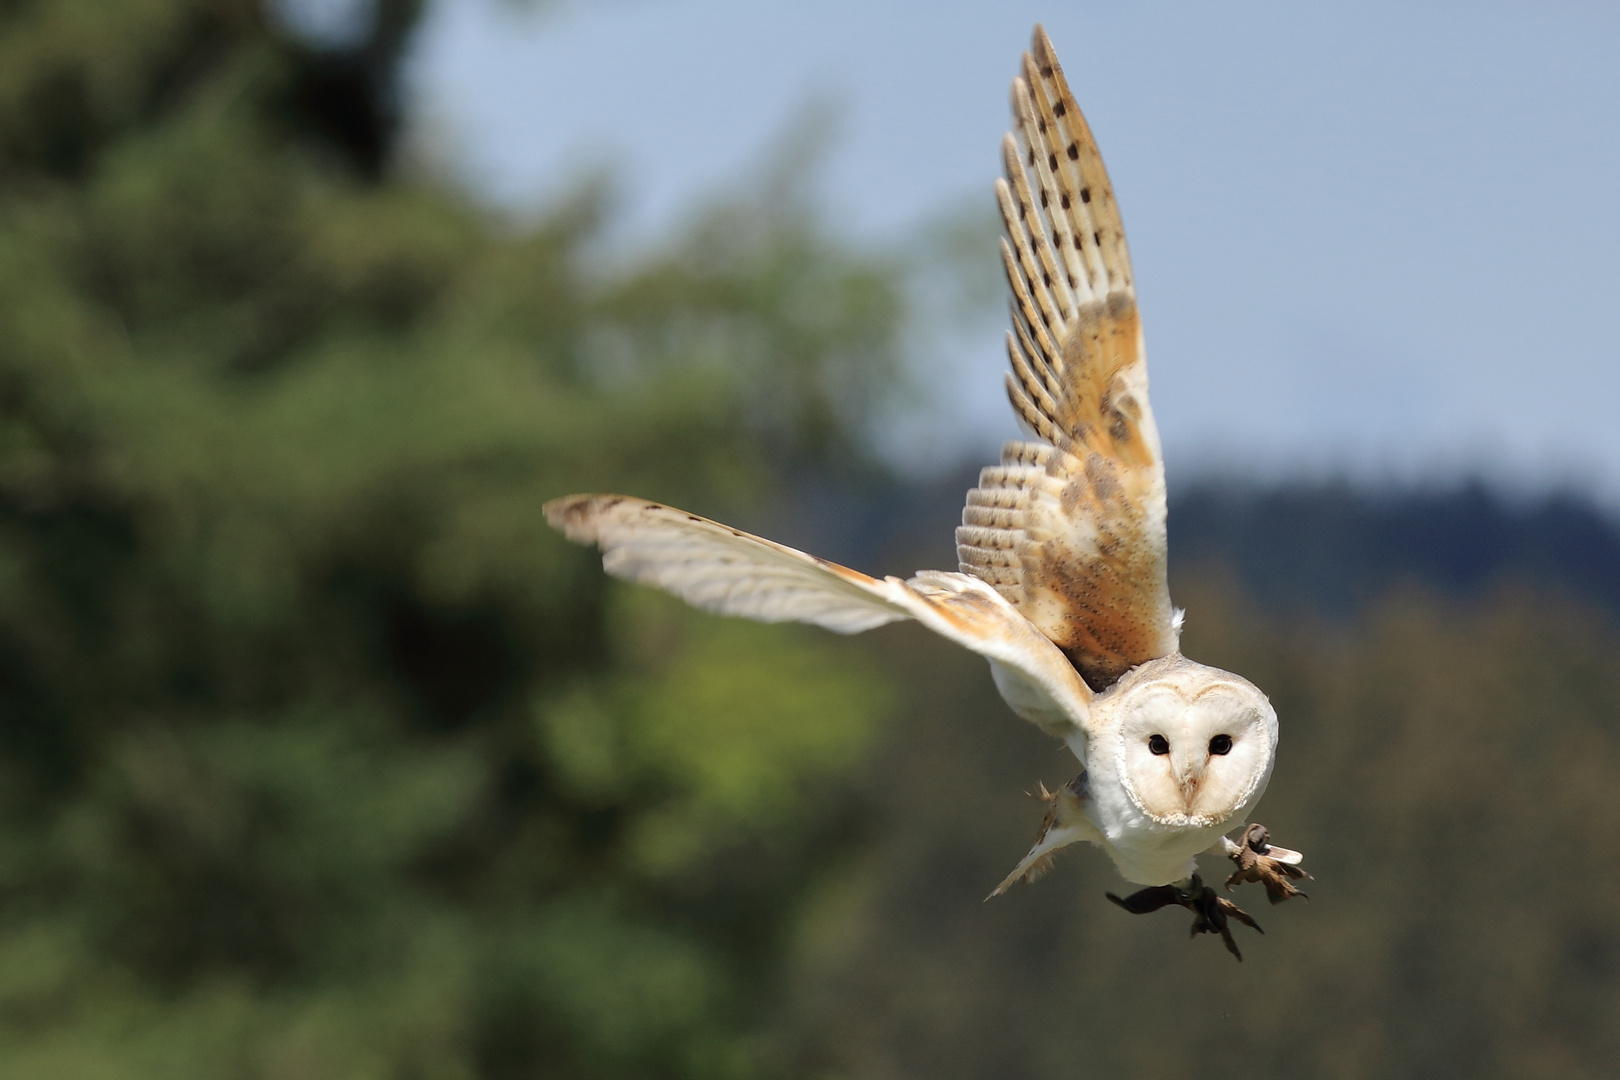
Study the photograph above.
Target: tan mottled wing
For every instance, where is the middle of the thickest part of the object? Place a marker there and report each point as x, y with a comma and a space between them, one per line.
1072, 532
730, 572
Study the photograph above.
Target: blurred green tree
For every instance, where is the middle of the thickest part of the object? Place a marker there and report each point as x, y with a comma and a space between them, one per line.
321, 755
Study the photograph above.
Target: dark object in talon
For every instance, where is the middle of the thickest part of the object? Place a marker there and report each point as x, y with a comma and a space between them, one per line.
1211, 910
1150, 899
1273, 867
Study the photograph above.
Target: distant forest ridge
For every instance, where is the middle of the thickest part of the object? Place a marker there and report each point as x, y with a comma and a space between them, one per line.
1331, 548
1318, 548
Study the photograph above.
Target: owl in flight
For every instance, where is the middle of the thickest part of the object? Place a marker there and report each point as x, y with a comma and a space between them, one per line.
1061, 583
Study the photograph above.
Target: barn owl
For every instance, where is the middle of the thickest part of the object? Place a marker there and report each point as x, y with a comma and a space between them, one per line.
1061, 583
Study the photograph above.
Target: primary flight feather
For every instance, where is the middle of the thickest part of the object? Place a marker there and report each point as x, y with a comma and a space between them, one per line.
1062, 582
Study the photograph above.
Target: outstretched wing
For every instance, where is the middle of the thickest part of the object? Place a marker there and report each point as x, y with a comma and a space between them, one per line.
1072, 532
730, 572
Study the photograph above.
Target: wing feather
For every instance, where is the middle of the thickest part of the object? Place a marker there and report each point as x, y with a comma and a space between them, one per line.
717, 568
730, 572
1072, 532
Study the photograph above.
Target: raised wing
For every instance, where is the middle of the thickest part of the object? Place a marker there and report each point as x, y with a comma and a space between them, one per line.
730, 572
1072, 532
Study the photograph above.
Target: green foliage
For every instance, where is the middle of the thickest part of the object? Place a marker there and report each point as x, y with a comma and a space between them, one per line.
322, 755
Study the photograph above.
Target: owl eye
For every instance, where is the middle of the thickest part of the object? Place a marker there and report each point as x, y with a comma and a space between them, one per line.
1220, 744
1158, 744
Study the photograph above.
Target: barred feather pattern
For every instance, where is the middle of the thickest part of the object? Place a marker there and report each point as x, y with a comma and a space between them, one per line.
1071, 531
729, 572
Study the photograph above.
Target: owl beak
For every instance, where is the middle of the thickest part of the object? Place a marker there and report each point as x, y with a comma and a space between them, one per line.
1189, 772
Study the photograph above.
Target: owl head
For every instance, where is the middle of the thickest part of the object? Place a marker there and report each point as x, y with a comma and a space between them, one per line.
1195, 743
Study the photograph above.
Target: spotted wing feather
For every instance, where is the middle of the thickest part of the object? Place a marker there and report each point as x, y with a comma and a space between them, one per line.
1071, 530
730, 572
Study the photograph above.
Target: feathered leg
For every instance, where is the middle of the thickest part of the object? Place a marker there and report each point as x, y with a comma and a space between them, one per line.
1257, 859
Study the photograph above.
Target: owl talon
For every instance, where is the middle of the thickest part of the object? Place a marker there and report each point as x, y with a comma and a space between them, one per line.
1258, 860
1211, 910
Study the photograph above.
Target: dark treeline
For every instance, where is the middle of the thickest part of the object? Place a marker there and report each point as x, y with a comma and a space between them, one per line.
1333, 548
1327, 549
322, 756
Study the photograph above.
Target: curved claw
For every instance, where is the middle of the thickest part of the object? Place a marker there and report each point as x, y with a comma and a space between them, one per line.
1211, 911
1273, 867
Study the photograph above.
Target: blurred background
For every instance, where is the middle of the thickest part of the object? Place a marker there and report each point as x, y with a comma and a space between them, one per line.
321, 756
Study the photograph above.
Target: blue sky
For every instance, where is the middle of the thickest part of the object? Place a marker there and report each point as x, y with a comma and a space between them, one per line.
1380, 239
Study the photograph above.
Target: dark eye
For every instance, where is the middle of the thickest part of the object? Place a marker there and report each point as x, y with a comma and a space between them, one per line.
1158, 744
1220, 744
